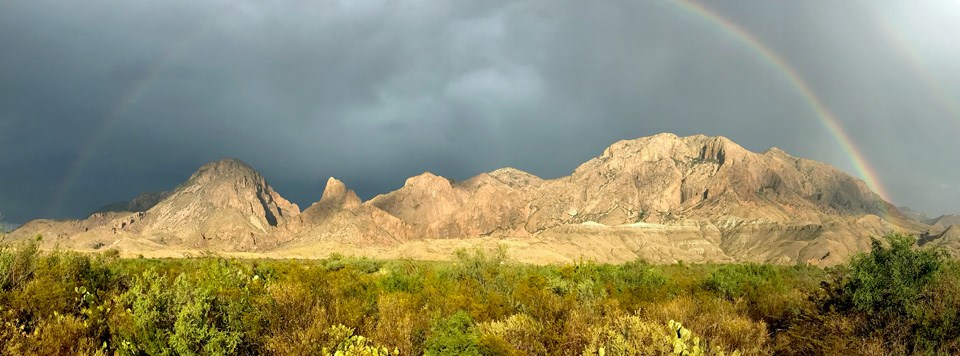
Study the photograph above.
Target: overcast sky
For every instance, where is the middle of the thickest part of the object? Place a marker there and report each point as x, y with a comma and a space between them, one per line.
102, 100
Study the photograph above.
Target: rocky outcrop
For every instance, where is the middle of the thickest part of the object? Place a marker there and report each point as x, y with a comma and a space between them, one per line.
224, 205
664, 198
765, 207
484, 205
945, 220
947, 239
340, 216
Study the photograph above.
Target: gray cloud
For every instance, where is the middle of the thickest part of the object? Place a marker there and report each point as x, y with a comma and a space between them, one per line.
375, 91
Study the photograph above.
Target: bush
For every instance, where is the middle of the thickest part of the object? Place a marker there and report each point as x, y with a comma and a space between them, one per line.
453, 336
296, 323
895, 294
894, 300
628, 335
482, 268
721, 323
400, 324
738, 281
209, 311
640, 280
888, 282
349, 344
56, 335
517, 334
17, 264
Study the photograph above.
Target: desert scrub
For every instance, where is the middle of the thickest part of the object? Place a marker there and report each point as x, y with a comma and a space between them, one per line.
723, 323
296, 324
348, 344
628, 335
738, 281
58, 302
17, 263
685, 343
399, 323
518, 334
453, 335
210, 311
899, 299
631, 335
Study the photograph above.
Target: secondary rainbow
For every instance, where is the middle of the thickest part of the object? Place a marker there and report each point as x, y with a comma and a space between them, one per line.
729, 27
906, 49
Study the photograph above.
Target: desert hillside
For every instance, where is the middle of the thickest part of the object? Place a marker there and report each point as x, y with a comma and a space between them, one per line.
663, 198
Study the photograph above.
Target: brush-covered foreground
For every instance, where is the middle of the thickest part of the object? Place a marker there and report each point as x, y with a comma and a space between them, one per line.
893, 300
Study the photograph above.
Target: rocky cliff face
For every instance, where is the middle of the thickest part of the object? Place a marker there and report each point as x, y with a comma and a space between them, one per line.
484, 205
947, 238
945, 220
340, 216
664, 178
664, 198
751, 206
225, 204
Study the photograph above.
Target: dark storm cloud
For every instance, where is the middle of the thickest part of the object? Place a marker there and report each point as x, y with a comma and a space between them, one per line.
375, 91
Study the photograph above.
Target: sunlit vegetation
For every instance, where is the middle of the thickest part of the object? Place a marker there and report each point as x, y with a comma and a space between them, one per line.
893, 300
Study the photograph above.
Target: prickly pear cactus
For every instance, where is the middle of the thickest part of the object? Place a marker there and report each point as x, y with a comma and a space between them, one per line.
685, 344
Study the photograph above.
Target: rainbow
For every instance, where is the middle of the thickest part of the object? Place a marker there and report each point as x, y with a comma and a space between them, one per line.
827, 118
113, 115
916, 63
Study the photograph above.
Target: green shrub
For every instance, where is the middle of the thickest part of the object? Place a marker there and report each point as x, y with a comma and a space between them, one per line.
483, 268
18, 264
402, 281
199, 328
640, 280
453, 336
209, 311
896, 294
71, 303
56, 335
888, 282
145, 321
737, 281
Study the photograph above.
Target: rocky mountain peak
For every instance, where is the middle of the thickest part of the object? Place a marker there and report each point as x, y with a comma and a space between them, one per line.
427, 180
717, 149
664, 197
515, 178
228, 168
224, 203
647, 149
776, 151
336, 194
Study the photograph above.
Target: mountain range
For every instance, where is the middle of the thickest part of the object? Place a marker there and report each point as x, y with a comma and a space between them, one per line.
663, 198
